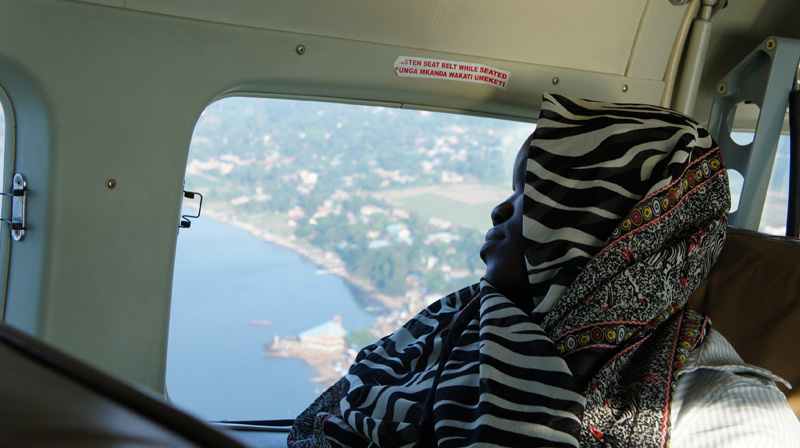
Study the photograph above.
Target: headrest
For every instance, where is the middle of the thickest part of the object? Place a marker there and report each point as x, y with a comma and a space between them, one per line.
753, 298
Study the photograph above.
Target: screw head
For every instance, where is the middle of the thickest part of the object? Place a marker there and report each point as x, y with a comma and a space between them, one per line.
722, 88
300, 49
771, 44
624, 88
556, 80
111, 184
19, 181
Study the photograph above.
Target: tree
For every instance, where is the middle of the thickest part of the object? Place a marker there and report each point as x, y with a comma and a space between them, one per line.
361, 338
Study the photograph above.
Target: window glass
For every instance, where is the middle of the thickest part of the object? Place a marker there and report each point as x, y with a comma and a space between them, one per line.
773, 218
324, 226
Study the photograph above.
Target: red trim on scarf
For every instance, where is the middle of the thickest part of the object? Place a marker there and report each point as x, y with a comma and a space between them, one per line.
671, 210
604, 322
590, 346
688, 167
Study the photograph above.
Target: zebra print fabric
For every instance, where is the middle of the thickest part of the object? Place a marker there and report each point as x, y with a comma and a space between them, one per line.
590, 164
624, 215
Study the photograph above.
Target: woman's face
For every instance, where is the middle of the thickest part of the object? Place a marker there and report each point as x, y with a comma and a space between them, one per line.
503, 251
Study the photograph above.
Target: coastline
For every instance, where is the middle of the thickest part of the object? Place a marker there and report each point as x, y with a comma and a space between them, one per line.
328, 365
391, 312
327, 262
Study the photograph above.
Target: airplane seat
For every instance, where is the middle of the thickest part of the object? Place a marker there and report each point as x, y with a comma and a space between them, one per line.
50, 400
753, 298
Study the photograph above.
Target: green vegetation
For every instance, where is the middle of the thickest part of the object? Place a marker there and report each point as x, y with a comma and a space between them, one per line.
436, 206
361, 338
319, 171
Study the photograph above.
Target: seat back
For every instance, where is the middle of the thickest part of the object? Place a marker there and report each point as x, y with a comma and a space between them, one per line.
753, 298
51, 400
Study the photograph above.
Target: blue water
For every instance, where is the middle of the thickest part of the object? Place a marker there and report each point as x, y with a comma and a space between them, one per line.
225, 278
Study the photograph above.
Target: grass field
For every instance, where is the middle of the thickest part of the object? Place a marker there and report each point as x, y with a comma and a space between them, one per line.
465, 204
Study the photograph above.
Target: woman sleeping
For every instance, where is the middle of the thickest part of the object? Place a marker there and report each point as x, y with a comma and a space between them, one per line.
578, 334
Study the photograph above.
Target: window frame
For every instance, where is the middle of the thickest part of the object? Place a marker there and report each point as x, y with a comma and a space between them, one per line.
346, 102
8, 153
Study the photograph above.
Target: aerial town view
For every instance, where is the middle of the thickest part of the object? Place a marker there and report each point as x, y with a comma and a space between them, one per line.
390, 200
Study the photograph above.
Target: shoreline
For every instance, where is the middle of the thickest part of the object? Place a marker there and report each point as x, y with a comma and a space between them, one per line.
393, 311
329, 366
326, 262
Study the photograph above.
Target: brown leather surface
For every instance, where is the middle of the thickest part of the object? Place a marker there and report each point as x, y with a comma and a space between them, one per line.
753, 298
51, 400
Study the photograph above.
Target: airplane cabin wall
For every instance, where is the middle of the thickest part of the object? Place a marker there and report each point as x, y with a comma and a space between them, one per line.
104, 93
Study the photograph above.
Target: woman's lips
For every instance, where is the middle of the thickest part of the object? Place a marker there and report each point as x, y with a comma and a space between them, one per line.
493, 235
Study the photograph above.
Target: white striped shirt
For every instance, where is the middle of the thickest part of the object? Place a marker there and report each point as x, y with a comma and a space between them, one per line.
721, 401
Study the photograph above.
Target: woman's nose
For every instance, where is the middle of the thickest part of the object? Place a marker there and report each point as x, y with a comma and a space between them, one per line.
501, 213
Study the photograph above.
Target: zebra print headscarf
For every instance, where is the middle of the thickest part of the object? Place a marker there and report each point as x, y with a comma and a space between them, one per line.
624, 216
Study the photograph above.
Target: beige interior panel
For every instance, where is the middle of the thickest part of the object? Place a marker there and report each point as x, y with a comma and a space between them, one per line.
534, 31
530, 31
115, 3
397, 22
624, 37
660, 25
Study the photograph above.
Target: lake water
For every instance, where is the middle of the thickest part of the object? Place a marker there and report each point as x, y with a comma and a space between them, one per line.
224, 279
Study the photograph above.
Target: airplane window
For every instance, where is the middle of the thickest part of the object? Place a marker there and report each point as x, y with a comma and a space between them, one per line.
773, 218
324, 226
736, 182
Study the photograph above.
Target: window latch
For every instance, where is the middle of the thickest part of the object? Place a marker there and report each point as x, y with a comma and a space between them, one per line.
185, 222
18, 193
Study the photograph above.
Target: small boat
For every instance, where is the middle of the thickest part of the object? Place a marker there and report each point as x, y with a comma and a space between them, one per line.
260, 323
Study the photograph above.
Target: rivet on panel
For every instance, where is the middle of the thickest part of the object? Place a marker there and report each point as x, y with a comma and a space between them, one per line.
624, 88
770, 44
111, 184
300, 49
556, 80
722, 88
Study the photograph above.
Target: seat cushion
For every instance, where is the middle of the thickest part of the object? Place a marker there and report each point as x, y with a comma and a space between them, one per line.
753, 298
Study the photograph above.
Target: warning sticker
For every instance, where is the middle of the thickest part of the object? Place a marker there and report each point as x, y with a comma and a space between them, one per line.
411, 67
